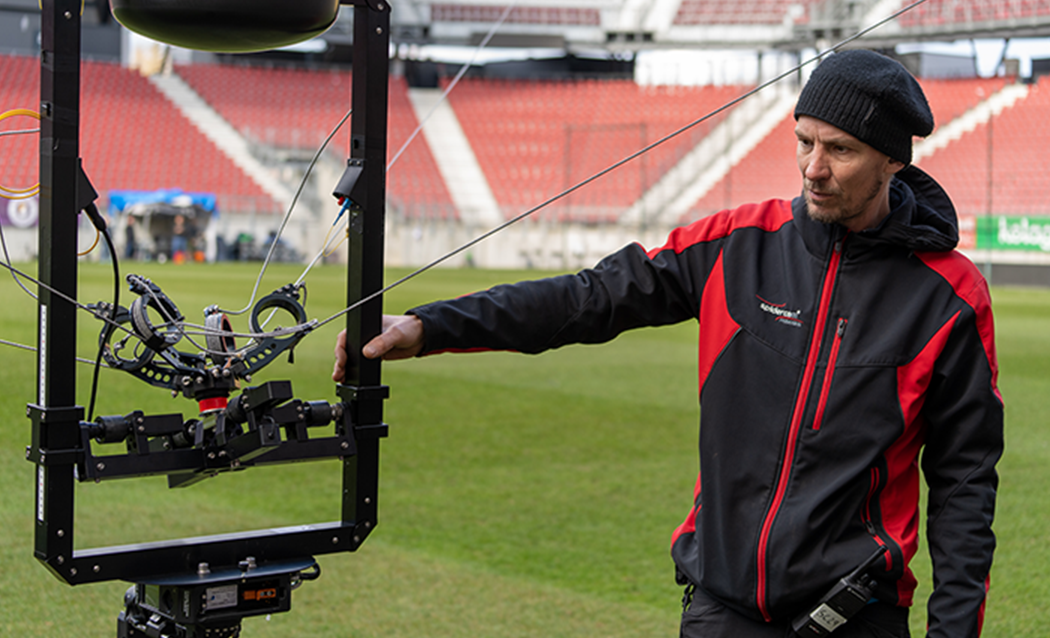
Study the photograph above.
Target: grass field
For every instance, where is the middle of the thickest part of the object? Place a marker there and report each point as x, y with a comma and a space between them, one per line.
519, 496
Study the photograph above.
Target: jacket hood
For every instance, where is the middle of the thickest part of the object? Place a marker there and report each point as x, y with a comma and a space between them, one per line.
923, 217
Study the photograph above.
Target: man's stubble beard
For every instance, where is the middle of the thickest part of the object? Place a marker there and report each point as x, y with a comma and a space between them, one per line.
843, 214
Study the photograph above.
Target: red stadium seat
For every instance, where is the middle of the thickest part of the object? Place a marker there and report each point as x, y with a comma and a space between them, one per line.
743, 12
1000, 166
131, 137
298, 108
534, 139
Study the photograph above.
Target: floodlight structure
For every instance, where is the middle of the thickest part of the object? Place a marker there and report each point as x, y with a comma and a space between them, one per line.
204, 585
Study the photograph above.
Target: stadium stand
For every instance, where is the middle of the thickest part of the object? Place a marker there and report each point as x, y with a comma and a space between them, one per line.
415, 188
948, 12
297, 108
951, 98
284, 107
534, 139
1000, 167
19, 89
131, 137
744, 12
769, 170
526, 15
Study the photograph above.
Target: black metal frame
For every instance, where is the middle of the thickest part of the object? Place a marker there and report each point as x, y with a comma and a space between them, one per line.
58, 446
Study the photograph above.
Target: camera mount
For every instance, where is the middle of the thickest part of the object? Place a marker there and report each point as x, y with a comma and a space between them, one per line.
152, 357
204, 585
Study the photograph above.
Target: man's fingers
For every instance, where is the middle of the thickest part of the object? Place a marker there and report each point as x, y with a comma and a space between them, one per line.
378, 346
340, 357
402, 338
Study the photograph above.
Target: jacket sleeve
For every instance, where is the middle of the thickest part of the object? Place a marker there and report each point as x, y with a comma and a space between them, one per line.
628, 289
964, 418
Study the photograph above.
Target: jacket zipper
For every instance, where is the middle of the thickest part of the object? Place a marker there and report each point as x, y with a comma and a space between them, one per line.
833, 357
796, 421
866, 517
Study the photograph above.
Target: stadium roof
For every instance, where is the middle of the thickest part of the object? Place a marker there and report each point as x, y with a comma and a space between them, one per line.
631, 25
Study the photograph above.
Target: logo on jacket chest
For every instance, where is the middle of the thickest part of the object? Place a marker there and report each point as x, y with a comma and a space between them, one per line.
781, 313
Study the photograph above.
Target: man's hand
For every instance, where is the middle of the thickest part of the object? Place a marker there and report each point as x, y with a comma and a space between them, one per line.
402, 338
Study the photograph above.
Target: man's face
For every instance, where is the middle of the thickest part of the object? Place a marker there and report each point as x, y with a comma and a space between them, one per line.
845, 181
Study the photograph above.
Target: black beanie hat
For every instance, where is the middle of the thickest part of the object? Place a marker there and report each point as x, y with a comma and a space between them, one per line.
871, 97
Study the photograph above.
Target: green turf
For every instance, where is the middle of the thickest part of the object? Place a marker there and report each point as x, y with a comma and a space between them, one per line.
519, 496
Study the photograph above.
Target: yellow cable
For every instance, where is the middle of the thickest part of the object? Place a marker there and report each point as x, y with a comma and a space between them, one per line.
327, 236
98, 234
339, 243
19, 193
25, 195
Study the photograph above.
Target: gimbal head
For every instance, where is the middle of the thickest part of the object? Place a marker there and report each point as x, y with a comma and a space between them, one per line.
147, 348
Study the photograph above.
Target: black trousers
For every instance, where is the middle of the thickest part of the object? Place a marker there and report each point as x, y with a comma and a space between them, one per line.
708, 618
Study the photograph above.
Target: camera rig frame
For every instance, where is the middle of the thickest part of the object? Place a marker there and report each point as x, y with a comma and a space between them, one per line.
247, 430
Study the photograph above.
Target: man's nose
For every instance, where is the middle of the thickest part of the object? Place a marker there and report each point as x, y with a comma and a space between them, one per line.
816, 166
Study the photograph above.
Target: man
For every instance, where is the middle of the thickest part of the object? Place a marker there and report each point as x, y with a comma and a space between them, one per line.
839, 333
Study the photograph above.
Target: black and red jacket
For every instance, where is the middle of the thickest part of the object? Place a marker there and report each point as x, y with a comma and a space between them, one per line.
827, 360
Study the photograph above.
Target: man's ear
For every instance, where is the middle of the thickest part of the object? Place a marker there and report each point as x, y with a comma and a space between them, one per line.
894, 166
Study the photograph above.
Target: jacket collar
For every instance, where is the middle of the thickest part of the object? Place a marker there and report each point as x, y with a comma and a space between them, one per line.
922, 219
